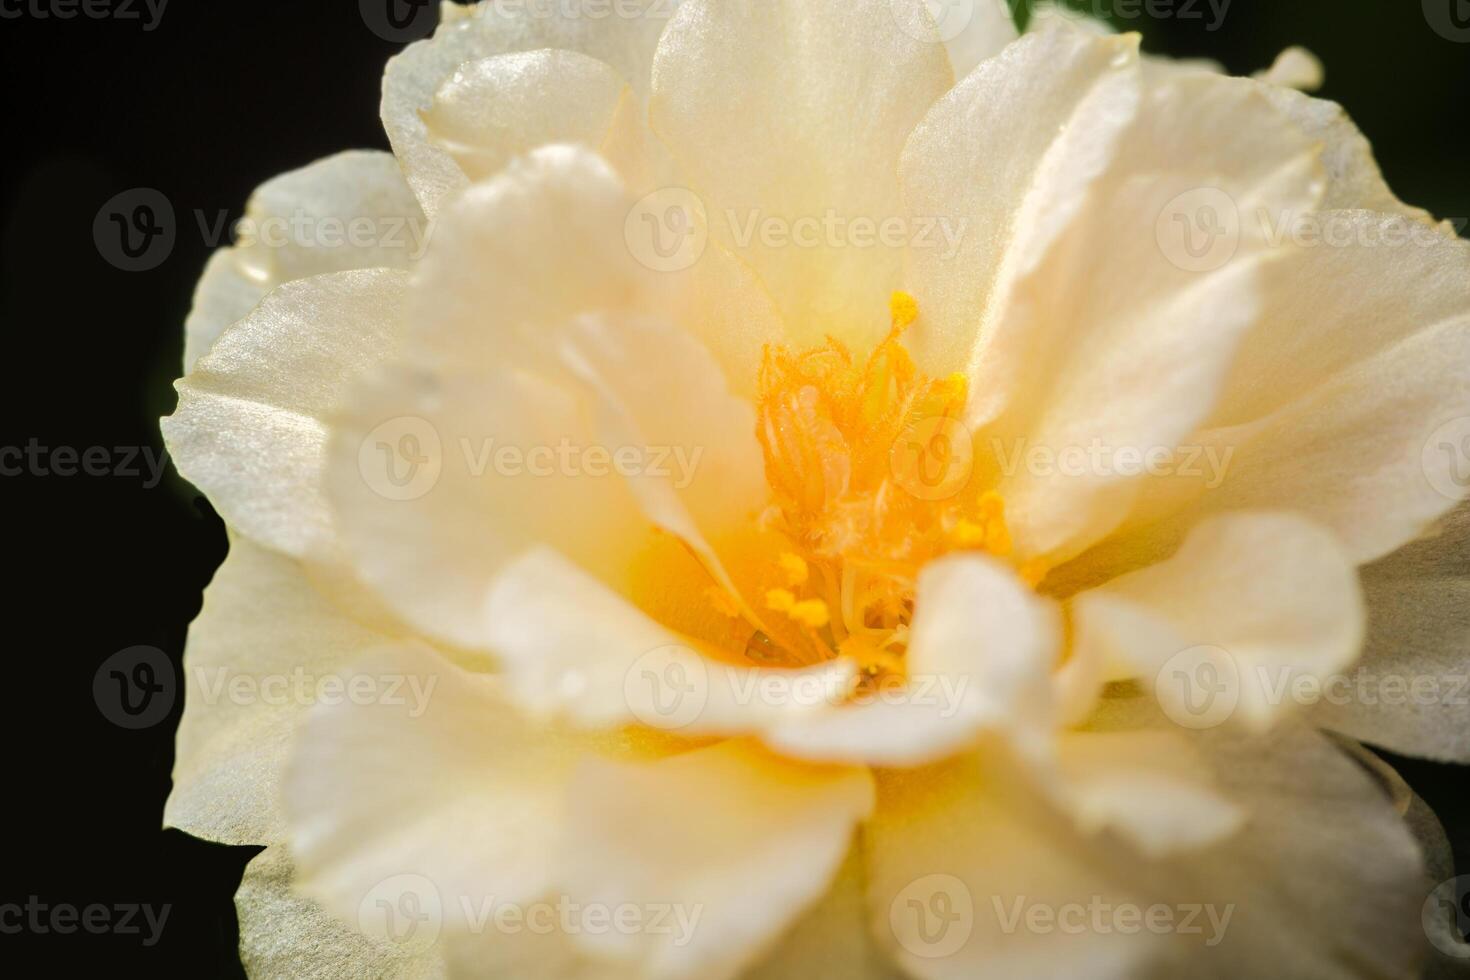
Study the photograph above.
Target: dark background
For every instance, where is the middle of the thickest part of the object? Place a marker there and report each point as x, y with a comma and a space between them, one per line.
216, 99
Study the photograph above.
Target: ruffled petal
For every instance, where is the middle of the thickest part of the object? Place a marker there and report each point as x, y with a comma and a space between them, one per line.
760, 104
742, 840
980, 657
349, 211
256, 660
1249, 607
250, 429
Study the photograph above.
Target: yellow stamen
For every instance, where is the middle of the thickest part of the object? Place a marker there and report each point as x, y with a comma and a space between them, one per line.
1033, 571
794, 568
780, 600
904, 308
807, 612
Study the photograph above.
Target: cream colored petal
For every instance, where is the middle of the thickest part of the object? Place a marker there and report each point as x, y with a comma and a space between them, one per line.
550, 239
1375, 452
742, 839
250, 427
623, 39
1118, 344
1410, 693
1363, 282
1323, 881
436, 787
286, 937
1251, 605
1150, 787
761, 106
571, 647
832, 938
1353, 177
436, 483
494, 109
1295, 67
256, 657
980, 657
348, 211
1008, 155
973, 32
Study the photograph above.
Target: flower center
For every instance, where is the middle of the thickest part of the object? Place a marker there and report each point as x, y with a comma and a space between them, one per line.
860, 457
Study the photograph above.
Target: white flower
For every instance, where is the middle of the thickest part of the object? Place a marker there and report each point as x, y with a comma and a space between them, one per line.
821, 594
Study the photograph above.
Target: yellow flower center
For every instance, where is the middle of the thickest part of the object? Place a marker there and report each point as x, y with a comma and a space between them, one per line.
851, 451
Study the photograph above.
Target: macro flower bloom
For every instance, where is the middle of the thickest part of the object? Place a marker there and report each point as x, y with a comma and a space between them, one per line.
832, 496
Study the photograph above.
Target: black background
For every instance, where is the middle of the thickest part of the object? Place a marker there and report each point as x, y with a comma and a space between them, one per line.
218, 98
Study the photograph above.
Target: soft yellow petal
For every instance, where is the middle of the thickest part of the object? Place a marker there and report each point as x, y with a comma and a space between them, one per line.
571, 647
624, 40
972, 875
759, 104
256, 659
742, 839
974, 31
286, 937
348, 211
250, 428
980, 656
1250, 606
1119, 342
494, 109
1410, 692
438, 787
1009, 153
